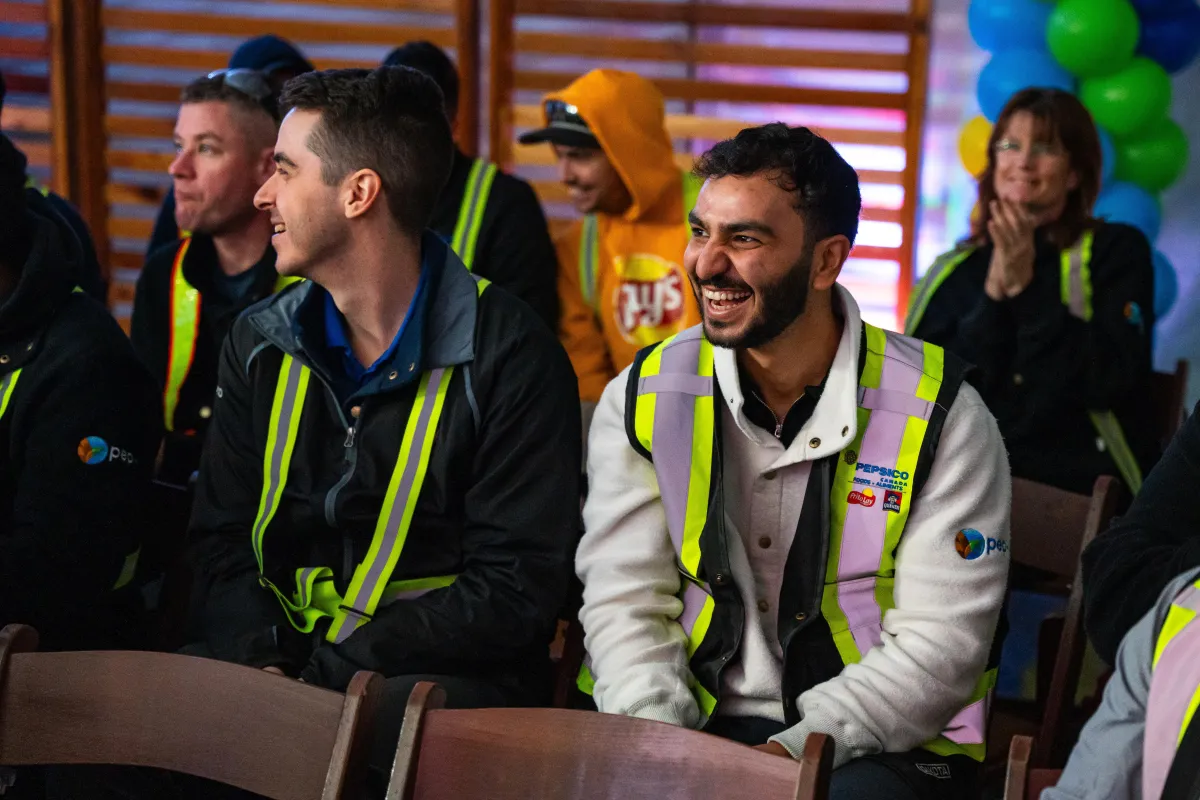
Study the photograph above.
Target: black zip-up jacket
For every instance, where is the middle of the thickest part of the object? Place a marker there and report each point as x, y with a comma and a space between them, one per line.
77, 442
150, 332
514, 251
499, 506
1041, 369
1128, 566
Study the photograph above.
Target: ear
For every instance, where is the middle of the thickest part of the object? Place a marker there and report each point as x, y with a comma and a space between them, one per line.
1072, 181
828, 257
361, 191
264, 165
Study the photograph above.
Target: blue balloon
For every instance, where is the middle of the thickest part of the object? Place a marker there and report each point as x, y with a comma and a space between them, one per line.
1157, 6
1010, 71
1133, 205
1172, 38
1166, 285
1108, 156
1009, 24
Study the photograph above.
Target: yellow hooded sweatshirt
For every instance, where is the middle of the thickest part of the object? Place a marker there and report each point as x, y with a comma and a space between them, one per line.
630, 290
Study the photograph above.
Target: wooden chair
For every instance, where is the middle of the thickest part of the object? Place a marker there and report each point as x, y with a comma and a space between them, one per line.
1050, 528
1021, 780
567, 655
1168, 391
515, 754
235, 725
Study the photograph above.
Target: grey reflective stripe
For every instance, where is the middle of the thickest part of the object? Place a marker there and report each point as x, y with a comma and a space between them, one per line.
928, 285
394, 532
1075, 292
303, 598
899, 402
673, 429
694, 597
1189, 598
695, 385
470, 213
279, 442
589, 246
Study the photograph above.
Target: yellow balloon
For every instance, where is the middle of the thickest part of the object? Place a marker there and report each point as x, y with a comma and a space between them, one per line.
972, 145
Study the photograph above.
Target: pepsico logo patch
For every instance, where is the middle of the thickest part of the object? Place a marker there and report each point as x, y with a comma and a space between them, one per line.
970, 544
648, 303
865, 498
92, 450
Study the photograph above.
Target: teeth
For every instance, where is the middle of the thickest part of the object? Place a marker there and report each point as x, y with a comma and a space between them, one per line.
724, 295
280, 227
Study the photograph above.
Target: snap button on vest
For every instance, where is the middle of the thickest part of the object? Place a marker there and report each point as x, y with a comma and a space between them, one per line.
814, 442
801, 617
720, 579
764, 542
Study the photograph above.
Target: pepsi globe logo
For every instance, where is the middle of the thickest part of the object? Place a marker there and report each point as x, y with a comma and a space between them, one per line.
92, 450
970, 544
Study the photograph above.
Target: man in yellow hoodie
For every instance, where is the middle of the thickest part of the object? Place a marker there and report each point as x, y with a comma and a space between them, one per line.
621, 282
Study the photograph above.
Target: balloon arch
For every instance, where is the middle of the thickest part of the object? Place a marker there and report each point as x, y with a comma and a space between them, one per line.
1117, 56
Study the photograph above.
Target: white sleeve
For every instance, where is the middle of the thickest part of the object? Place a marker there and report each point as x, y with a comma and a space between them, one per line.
936, 641
628, 567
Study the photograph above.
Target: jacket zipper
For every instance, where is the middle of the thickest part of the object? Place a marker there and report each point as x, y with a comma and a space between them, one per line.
778, 423
351, 460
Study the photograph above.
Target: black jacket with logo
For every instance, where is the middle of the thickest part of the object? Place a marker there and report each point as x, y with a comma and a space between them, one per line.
499, 506
77, 440
150, 332
1041, 369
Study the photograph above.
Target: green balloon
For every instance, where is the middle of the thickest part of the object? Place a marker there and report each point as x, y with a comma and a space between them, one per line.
1155, 158
1093, 37
1130, 100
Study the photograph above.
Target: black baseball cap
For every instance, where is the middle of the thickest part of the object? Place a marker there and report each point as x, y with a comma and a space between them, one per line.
564, 126
269, 54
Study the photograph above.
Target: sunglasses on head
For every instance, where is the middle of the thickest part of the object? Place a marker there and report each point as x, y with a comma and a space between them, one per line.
564, 115
252, 84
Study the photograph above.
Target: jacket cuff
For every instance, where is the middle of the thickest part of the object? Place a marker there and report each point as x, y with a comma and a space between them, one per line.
256, 649
847, 743
327, 669
680, 713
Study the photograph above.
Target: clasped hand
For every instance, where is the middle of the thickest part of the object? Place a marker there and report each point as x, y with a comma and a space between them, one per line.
1011, 269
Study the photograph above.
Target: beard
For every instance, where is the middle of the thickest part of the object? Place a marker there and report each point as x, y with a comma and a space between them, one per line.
779, 305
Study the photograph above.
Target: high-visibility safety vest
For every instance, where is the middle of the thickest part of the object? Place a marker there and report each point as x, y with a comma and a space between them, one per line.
470, 211
185, 330
315, 596
1174, 689
1075, 288
589, 241
7, 385
674, 420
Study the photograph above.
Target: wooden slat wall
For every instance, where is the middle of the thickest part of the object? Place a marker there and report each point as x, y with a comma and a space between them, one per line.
150, 53
856, 74
25, 61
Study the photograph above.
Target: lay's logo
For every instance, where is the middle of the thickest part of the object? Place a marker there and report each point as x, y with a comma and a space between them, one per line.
865, 498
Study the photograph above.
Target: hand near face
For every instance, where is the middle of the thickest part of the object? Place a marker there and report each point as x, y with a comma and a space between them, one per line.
1011, 269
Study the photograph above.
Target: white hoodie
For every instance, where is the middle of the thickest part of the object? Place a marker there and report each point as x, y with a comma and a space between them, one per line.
935, 642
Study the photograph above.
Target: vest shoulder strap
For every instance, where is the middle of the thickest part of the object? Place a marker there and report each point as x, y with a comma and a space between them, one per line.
470, 212
943, 267
685, 380
589, 256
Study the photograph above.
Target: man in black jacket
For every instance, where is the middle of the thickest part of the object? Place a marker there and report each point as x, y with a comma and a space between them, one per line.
493, 220
420, 430
80, 426
190, 291
1128, 566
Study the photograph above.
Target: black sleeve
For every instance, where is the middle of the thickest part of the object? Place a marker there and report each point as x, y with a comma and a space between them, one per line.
75, 522
91, 278
149, 327
241, 618
1127, 567
983, 336
1111, 351
518, 538
518, 252
165, 230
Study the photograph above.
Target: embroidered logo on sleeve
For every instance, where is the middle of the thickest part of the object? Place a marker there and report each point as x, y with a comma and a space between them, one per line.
892, 501
93, 450
939, 771
971, 544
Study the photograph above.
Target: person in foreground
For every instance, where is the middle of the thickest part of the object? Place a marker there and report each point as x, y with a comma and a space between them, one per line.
491, 219
1144, 741
1054, 307
797, 521
418, 430
193, 288
80, 425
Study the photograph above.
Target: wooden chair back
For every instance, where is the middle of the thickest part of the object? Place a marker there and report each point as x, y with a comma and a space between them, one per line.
567, 656
1021, 780
239, 726
1168, 396
1050, 528
514, 754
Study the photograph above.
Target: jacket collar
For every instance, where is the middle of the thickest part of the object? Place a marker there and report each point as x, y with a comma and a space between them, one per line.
834, 422
451, 306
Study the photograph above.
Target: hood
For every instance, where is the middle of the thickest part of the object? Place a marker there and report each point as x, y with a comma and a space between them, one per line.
625, 112
49, 274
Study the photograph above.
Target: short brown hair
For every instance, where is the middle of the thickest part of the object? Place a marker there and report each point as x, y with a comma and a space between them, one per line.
390, 120
1059, 118
215, 90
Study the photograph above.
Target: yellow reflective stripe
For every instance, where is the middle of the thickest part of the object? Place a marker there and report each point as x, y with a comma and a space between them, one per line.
703, 620
470, 211
589, 255
281, 440
1085, 273
1187, 716
585, 681
480, 285
934, 372
699, 482
704, 698
872, 372
6, 389
284, 281
415, 585
1106, 424
464, 210
942, 268
943, 746
128, 570
843, 484
185, 321
363, 596
1177, 619
643, 415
